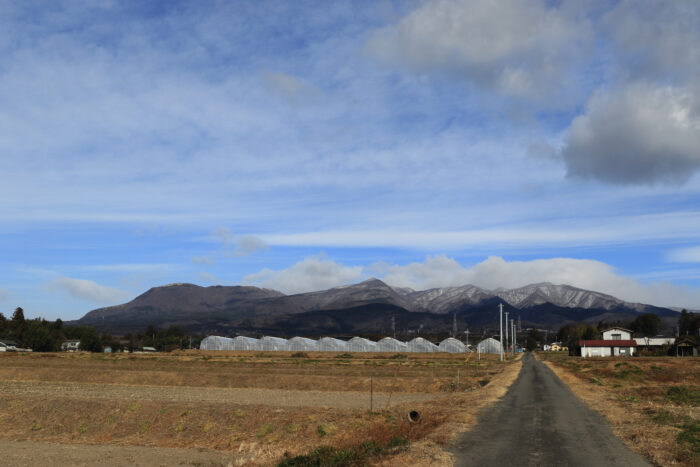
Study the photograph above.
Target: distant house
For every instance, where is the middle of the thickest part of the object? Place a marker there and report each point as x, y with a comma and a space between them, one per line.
149, 349
688, 346
657, 345
657, 341
615, 342
70, 346
7, 345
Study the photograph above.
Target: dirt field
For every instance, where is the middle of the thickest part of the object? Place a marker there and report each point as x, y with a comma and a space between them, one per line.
240, 408
652, 403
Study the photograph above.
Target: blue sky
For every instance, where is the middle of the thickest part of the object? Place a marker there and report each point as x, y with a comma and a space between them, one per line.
280, 144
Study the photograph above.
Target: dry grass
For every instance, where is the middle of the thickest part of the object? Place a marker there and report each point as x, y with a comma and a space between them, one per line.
652, 403
261, 434
322, 371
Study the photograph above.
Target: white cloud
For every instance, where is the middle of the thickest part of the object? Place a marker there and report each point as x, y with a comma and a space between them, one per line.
210, 278
494, 272
290, 87
224, 235
315, 273
655, 38
233, 245
637, 134
128, 267
318, 273
205, 260
560, 232
85, 289
248, 244
519, 47
685, 255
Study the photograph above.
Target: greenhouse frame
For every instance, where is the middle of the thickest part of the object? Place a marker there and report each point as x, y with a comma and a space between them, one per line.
453, 345
489, 345
272, 343
360, 344
216, 343
304, 344
389, 344
331, 344
421, 345
245, 343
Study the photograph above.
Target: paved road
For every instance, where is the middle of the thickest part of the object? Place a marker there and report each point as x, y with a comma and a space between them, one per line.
540, 422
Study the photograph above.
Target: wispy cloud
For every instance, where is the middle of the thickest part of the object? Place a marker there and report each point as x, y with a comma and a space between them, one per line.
562, 232
86, 289
4, 295
205, 260
685, 255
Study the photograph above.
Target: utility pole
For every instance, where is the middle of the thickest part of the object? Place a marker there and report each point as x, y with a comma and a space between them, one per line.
500, 307
507, 341
467, 333
512, 337
520, 327
393, 325
454, 325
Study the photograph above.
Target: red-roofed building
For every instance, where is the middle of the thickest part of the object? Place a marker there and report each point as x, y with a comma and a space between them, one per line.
615, 342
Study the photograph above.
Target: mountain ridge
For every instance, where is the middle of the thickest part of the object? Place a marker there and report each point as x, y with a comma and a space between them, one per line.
227, 307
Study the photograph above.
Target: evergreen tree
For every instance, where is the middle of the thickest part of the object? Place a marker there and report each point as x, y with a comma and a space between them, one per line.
18, 316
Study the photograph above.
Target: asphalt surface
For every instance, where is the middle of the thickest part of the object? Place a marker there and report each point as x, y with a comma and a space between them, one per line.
540, 422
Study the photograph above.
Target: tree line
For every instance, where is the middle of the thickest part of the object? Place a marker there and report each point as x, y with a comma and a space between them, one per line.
42, 335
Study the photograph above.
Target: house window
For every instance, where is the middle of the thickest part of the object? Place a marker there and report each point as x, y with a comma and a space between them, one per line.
617, 337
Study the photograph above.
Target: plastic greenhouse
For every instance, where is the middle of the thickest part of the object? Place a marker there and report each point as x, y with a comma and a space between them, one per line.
360, 344
272, 343
245, 343
330, 344
216, 343
389, 344
421, 345
453, 345
301, 343
489, 345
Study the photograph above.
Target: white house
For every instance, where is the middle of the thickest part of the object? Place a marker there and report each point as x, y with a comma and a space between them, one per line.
617, 334
7, 345
70, 346
615, 342
657, 341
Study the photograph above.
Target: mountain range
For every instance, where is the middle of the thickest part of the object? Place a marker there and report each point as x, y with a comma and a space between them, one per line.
365, 308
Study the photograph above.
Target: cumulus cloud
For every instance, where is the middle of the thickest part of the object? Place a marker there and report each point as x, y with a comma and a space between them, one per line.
85, 289
519, 47
318, 273
637, 134
656, 39
310, 274
495, 272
